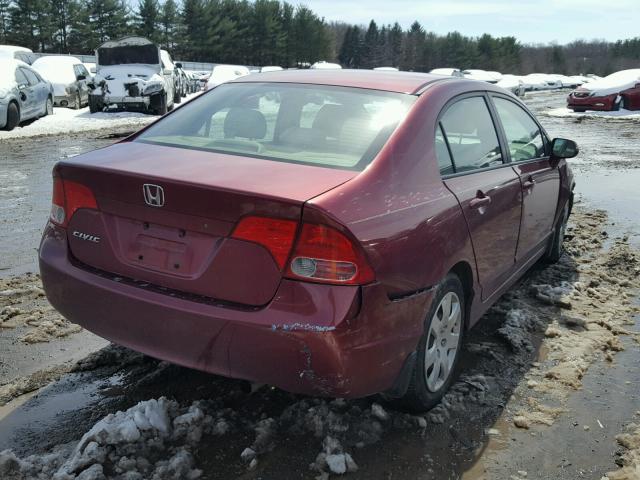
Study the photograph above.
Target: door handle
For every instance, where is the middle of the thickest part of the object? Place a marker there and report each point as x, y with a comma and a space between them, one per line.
529, 184
480, 200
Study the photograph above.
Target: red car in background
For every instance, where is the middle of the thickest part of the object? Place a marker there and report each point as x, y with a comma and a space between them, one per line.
326, 232
616, 91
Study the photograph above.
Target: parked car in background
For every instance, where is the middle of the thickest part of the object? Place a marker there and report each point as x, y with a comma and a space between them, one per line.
540, 81
131, 75
270, 68
169, 66
325, 66
512, 83
69, 77
17, 53
225, 73
616, 91
24, 94
91, 67
452, 72
289, 246
386, 69
482, 75
180, 81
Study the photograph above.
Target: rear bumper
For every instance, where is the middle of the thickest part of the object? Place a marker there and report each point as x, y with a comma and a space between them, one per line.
592, 103
325, 340
64, 100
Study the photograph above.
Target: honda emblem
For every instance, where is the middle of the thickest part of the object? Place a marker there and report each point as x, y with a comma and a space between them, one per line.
153, 195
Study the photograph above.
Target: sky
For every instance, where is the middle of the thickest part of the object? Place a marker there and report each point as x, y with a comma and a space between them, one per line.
530, 21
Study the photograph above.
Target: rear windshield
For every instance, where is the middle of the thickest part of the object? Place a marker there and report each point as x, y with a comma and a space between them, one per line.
145, 54
311, 124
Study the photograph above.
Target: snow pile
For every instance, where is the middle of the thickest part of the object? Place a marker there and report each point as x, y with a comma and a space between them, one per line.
68, 121
564, 112
468, 389
629, 460
333, 459
516, 328
151, 440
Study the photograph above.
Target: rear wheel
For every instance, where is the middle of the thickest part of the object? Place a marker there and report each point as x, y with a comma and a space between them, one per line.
177, 97
48, 108
13, 116
439, 348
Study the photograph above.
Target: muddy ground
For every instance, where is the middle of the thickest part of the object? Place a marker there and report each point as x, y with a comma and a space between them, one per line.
549, 386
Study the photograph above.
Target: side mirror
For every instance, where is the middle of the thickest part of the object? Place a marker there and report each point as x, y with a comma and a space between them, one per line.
563, 148
178, 65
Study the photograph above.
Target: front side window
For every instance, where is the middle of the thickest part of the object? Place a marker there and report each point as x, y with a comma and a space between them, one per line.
471, 134
328, 126
523, 134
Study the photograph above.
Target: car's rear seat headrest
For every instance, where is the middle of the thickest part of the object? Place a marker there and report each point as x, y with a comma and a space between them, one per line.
242, 122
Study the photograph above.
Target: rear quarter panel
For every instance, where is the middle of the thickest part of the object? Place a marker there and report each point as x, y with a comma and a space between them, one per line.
410, 225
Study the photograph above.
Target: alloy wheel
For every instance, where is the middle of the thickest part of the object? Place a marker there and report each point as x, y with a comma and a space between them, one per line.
443, 341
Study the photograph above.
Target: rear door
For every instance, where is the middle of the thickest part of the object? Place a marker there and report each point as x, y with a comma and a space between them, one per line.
486, 187
540, 178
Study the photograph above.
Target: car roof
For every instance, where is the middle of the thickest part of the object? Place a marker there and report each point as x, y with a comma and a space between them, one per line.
400, 82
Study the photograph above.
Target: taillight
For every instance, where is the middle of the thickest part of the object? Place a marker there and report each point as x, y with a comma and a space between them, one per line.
323, 254
69, 196
275, 234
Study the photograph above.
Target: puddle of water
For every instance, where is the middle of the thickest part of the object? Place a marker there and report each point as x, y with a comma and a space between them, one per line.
23, 421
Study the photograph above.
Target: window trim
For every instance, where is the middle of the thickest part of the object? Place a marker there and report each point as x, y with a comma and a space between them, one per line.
506, 160
502, 133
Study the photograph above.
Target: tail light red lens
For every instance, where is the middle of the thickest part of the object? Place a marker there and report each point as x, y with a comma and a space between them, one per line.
324, 254
276, 235
69, 196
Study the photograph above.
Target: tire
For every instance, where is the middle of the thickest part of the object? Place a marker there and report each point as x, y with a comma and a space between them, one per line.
579, 110
160, 104
556, 242
48, 107
13, 116
78, 102
177, 98
95, 104
439, 345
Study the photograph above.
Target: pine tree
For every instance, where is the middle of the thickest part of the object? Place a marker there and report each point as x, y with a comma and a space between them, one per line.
5, 19
148, 20
169, 24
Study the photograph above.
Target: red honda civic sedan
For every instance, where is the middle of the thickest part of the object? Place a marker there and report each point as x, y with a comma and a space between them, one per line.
326, 232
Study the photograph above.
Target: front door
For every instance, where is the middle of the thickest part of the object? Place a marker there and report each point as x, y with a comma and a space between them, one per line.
27, 95
540, 178
487, 188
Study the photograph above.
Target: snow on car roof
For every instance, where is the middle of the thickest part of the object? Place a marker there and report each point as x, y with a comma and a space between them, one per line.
14, 48
617, 80
7, 71
57, 68
126, 42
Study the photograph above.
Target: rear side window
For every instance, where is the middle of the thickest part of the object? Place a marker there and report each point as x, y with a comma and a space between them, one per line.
523, 134
471, 134
31, 77
21, 78
336, 127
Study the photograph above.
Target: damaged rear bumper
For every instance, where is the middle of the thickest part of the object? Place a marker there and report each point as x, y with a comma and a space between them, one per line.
340, 341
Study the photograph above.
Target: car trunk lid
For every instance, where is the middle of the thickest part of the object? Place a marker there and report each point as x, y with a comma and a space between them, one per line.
179, 236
